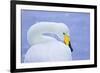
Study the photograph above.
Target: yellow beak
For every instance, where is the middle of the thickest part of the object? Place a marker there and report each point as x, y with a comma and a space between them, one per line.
66, 39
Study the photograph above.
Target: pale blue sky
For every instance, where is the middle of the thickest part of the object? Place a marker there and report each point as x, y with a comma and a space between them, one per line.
78, 23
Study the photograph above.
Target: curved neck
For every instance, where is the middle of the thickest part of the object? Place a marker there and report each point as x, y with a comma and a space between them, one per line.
35, 33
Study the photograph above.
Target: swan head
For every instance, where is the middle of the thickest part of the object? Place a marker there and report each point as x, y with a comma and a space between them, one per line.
35, 32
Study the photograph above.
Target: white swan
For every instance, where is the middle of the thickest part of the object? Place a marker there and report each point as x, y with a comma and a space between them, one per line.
46, 48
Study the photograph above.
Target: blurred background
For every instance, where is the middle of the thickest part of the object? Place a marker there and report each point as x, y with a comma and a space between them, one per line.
78, 23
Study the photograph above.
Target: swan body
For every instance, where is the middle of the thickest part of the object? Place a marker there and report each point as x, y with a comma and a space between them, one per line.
45, 48
52, 51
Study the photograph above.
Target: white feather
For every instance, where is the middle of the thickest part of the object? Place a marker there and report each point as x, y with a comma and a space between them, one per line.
50, 51
45, 48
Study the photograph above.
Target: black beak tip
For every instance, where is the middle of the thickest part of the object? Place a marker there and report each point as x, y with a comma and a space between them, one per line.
70, 47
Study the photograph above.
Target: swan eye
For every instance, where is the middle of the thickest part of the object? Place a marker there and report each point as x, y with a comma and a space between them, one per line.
63, 33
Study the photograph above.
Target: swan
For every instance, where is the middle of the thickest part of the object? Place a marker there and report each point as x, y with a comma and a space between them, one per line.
46, 48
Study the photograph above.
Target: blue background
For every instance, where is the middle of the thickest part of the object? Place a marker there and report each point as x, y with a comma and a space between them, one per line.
78, 23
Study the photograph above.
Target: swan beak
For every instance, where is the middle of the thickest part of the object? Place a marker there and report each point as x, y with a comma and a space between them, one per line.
67, 41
